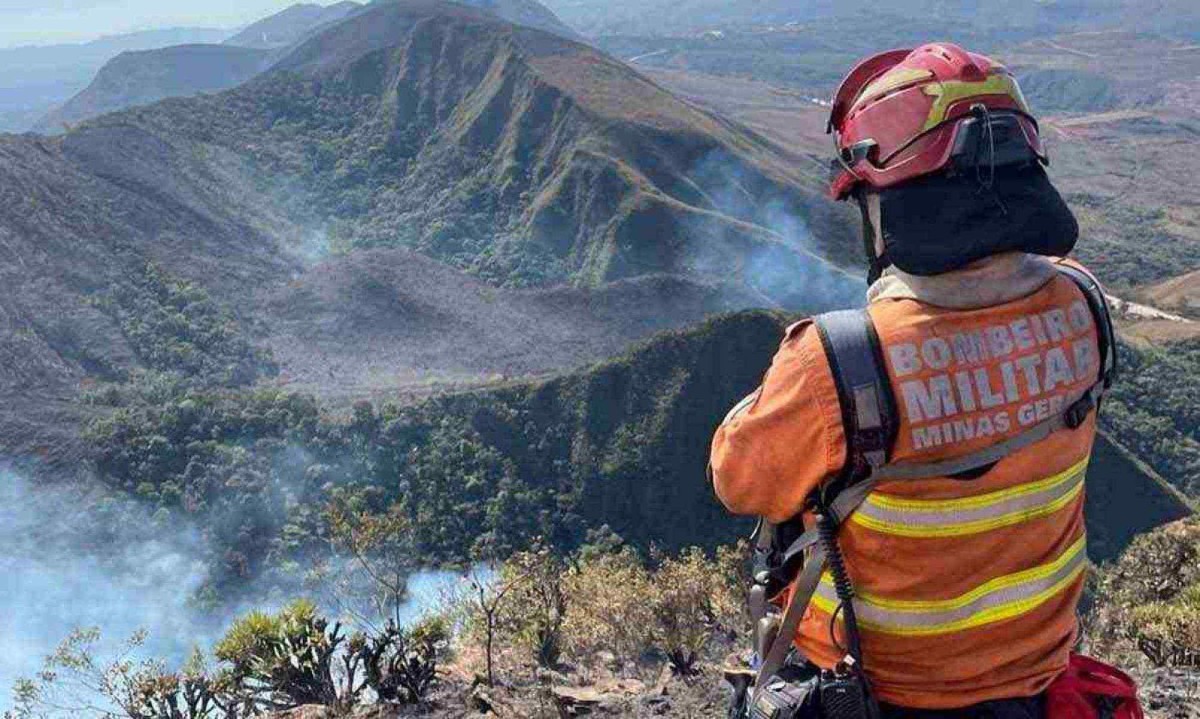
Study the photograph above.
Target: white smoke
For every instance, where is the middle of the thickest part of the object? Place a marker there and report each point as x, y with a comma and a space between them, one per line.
65, 566
783, 269
77, 557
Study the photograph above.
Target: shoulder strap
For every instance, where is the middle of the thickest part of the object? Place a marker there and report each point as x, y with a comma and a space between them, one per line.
1102, 313
869, 415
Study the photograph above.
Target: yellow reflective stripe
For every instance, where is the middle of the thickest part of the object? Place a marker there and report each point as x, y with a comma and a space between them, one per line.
968, 528
1002, 598
947, 93
891, 80
971, 515
1004, 582
979, 500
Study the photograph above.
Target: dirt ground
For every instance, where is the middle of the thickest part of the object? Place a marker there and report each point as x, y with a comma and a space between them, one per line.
636, 694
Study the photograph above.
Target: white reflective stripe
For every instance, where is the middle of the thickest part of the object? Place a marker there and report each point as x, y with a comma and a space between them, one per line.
742, 406
1002, 598
971, 515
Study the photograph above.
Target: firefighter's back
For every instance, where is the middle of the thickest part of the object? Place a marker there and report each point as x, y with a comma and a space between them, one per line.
968, 585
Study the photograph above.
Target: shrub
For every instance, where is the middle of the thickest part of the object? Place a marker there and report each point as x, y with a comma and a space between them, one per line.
616, 604
286, 660
692, 600
539, 603
401, 664
610, 604
1168, 634
1148, 601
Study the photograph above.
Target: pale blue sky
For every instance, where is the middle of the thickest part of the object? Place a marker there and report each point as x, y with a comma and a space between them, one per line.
41, 22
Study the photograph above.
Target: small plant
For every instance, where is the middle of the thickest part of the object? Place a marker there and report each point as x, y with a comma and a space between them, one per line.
380, 552
74, 682
610, 606
401, 664
287, 660
485, 604
539, 593
691, 600
1168, 634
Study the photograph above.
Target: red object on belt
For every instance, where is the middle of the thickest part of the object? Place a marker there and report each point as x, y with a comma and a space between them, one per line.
1091, 689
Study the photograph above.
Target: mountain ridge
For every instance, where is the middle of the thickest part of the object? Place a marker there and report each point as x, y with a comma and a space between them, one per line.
142, 77
483, 166
290, 25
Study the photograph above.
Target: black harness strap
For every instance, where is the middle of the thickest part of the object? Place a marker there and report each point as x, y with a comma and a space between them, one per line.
1102, 313
869, 415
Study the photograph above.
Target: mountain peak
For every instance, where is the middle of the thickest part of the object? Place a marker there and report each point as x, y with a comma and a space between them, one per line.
291, 25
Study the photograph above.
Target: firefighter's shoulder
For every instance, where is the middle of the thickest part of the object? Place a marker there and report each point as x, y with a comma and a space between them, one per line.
796, 329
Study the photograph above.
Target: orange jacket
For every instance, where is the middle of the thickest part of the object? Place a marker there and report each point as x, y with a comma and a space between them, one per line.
967, 588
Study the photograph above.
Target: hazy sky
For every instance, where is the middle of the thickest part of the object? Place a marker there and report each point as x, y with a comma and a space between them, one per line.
40, 22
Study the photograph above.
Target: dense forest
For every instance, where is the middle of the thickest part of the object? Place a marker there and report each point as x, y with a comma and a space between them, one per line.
480, 474
1154, 410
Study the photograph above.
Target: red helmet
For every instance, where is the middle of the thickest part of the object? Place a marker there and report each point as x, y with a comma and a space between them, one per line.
899, 115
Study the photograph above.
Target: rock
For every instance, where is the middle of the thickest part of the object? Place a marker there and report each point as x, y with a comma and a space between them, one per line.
552, 676
306, 712
1171, 693
583, 701
481, 700
620, 685
608, 660
375, 711
657, 705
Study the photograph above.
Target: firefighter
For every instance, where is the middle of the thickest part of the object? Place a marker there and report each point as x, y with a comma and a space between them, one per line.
965, 561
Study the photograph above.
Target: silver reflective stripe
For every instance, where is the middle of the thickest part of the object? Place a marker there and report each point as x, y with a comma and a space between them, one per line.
742, 406
1006, 597
905, 517
866, 405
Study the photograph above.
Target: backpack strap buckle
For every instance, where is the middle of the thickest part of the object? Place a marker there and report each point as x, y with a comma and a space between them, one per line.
1078, 412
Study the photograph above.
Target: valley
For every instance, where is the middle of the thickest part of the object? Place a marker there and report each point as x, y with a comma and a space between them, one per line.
348, 141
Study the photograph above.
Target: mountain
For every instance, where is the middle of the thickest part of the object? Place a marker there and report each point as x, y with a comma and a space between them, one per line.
140, 78
584, 169
299, 21
622, 444
289, 26
1020, 18
40, 77
519, 157
529, 13
432, 125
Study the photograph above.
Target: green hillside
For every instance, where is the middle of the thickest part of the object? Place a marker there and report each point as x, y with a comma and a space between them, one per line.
512, 156
481, 474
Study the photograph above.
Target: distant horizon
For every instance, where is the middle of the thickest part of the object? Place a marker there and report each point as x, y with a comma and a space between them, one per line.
37, 23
